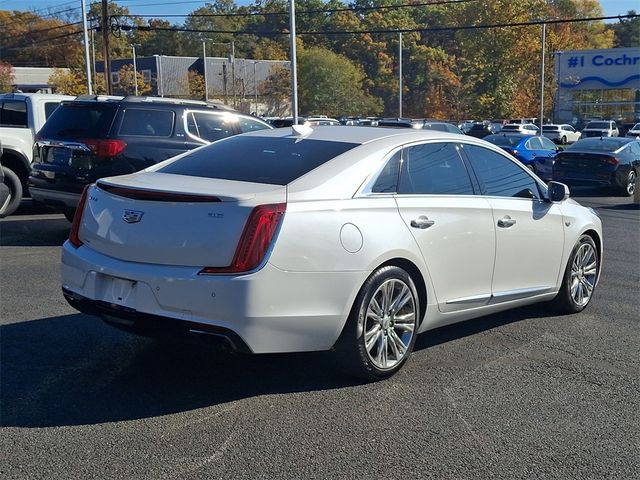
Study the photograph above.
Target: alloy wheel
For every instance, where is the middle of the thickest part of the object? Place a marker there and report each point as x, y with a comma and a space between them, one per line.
390, 323
584, 271
631, 182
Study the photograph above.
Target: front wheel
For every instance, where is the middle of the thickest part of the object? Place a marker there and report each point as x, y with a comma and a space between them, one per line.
382, 327
12, 181
580, 277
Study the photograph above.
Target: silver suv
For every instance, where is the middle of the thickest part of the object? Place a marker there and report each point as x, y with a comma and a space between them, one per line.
600, 128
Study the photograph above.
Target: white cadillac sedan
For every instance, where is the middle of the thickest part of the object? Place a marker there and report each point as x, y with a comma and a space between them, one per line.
354, 239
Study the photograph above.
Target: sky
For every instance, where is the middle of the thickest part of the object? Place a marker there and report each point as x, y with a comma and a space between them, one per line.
165, 7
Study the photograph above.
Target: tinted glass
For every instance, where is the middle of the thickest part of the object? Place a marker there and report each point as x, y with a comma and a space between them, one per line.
440, 127
276, 161
13, 114
49, 108
387, 181
600, 125
547, 144
250, 125
210, 126
511, 128
549, 128
504, 140
434, 168
634, 149
79, 121
499, 176
599, 144
534, 144
147, 123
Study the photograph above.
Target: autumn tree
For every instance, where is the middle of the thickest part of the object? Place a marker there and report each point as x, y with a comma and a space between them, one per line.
126, 83
275, 91
627, 31
6, 77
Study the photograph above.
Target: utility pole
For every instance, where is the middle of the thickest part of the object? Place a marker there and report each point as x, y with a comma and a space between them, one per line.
233, 72
204, 65
105, 45
255, 85
544, 35
86, 48
135, 70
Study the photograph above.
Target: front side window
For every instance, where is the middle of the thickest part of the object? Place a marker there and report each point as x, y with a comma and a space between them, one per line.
251, 125
547, 144
499, 176
13, 113
147, 123
434, 168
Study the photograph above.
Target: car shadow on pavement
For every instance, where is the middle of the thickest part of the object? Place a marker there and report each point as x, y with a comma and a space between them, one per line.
75, 370
34, 231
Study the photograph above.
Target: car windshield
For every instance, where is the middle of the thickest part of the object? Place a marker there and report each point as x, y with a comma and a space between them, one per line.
272, 160
600, 125
504, 140
79, 120
600, 144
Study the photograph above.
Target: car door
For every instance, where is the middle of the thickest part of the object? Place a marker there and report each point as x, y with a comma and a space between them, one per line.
529, 229
452, 226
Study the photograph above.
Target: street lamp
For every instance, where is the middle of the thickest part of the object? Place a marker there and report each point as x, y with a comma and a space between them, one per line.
135, 68
400, 75
544, 35
232, 44
255, 85
294, 62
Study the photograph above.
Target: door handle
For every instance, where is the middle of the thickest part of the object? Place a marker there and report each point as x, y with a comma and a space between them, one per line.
422, 222
506, 222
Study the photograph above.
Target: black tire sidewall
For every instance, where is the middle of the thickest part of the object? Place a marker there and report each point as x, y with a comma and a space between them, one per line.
12, 181
355, 338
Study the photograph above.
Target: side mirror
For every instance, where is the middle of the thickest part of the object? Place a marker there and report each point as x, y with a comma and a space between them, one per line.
558, 192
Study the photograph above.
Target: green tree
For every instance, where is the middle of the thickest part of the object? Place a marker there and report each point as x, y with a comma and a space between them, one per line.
627, 31
331, 84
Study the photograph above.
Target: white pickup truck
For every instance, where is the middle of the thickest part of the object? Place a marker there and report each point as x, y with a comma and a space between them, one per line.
22, 115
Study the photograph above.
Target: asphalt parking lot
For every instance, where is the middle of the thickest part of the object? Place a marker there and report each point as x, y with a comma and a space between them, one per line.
522, 394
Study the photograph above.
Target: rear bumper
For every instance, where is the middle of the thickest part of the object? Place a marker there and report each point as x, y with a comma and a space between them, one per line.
269, 311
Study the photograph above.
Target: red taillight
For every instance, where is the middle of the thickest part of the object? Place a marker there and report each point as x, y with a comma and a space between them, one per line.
256, 239
105, 147
613, 161
514, 153
77, 218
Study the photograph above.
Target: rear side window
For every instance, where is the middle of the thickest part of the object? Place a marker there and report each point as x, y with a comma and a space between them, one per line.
387, 181
270, 160
49, 108
210, 127
434, 168
13, 114
79, 120
251, 125
500, 176
147, 122
534, 144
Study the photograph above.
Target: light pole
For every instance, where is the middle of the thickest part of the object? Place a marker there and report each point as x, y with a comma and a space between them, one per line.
233, 66
204, 61
86, 47
255, 85
294, 62
544, 35
400, 75
135, 68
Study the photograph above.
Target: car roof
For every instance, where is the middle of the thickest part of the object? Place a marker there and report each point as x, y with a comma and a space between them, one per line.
22, 96
357, 134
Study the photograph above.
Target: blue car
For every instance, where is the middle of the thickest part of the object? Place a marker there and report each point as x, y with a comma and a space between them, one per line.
535, 152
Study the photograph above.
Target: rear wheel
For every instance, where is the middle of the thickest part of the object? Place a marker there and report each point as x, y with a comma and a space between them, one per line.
580, 277
12, 181
382, 327
629, 188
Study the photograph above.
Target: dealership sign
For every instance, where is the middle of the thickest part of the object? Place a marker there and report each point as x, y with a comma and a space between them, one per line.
613, 68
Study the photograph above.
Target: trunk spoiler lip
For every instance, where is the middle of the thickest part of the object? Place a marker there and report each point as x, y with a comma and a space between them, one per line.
136, 193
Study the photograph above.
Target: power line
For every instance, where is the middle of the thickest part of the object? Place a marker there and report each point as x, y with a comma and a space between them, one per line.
32, 32
48, 39
302, 12
394, 30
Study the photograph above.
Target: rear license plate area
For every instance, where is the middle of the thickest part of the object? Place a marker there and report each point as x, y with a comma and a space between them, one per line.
118, 291
59, 156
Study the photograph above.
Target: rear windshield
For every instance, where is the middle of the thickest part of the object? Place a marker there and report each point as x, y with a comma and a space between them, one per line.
554, 128
271, 160
77, 121
504, 140
600, 144
601, 125
511, 127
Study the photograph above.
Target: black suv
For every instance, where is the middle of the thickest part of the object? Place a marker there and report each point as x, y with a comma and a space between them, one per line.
93, 137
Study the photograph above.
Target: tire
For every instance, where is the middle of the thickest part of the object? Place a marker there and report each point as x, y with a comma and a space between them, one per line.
69, 213
12, 181
374, 346
563, 140
629, 188
580, 276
